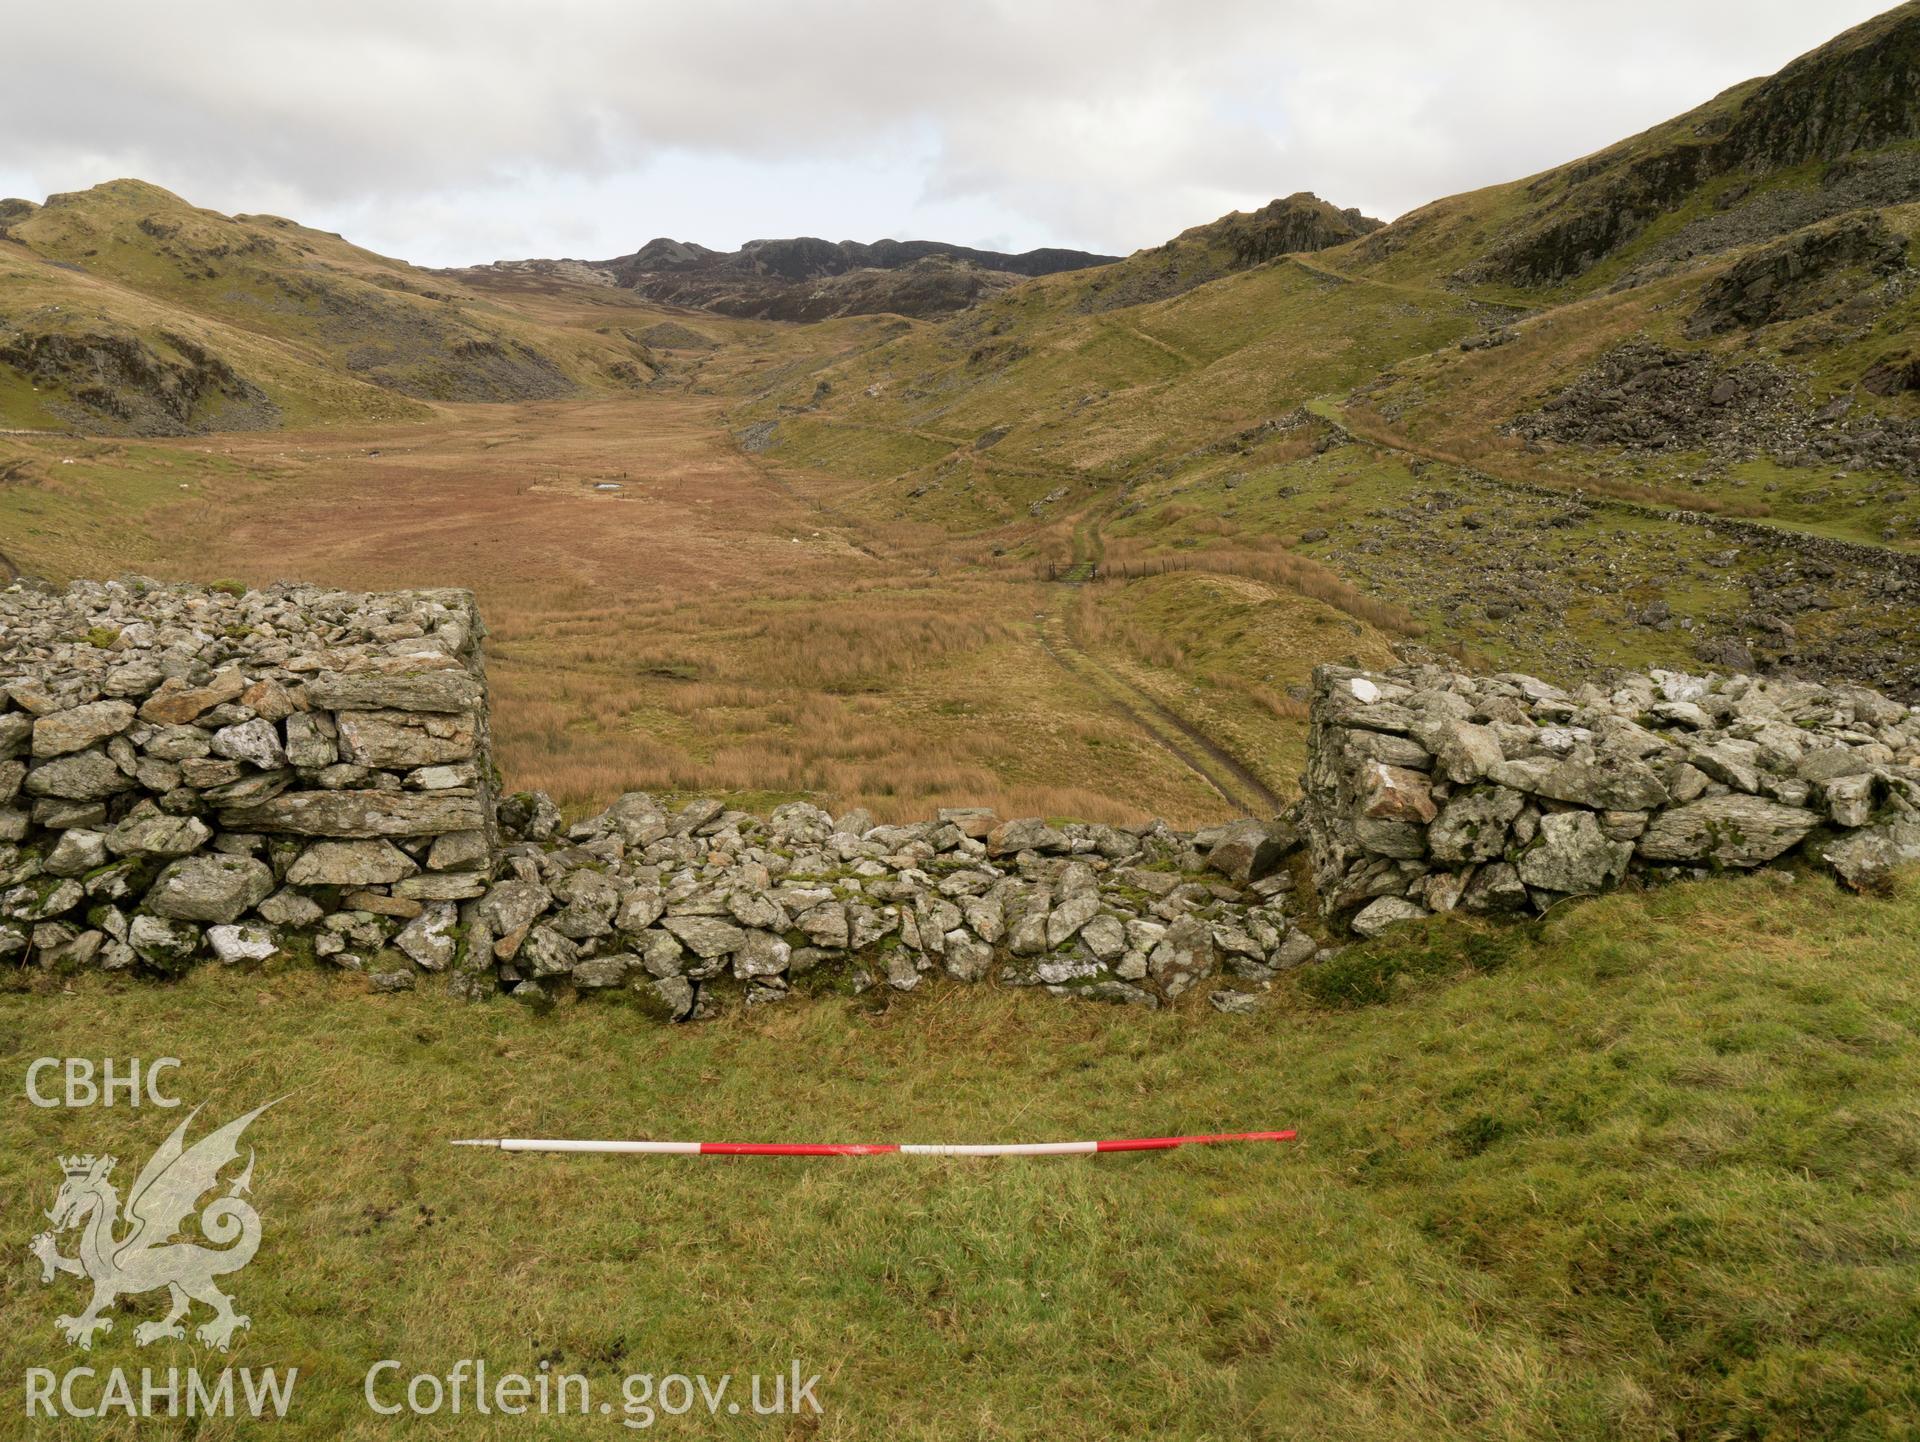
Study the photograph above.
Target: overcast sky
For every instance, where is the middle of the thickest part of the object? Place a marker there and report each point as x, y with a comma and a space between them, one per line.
449, 133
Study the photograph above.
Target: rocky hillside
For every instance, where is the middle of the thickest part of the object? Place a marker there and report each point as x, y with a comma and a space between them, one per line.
1300, 223
808, 279
1831, 132
1656, 406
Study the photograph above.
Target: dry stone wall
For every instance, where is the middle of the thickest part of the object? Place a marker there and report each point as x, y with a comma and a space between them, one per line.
1427, 789
202, 774
189, 772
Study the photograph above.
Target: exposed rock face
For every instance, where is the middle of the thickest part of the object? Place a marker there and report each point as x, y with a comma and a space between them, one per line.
1298, 223
117, 383
1810, 271
1543, 793
210, 888
1644, 396
1859, 92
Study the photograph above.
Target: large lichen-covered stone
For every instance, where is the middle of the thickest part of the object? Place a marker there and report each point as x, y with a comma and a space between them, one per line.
1573, 855
1474, 824
77, 852
210, 888
598, 973
1396, 793
16, 731
60, 732
311, 739
235, 942
1249, 850
1865, 859
429, 937
1609, 782
1026, 833
548, 953
163, 943
176, 703
350, 863
449, 689
512, 905
706, 936
1183, 957
358, 813
256, 742
1465, 752
459, 851
1376, 916
83, 776
154, 833
1404, 840
406, 739
1729, 830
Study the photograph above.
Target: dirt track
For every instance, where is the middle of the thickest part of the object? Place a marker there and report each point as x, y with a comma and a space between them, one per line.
1219, 768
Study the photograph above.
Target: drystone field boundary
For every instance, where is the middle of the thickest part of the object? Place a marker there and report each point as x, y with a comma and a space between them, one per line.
198, 775
1427, 789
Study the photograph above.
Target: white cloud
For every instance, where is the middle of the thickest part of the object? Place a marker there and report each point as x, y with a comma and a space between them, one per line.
451, 132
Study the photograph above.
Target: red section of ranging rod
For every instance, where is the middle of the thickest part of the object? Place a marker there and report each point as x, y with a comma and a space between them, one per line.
1160, 1144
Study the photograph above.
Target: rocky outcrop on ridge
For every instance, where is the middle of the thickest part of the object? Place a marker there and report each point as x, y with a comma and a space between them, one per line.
1856, 94
808, 279
1295, 224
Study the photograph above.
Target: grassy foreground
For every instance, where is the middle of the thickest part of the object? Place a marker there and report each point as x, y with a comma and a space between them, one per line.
1645, 1169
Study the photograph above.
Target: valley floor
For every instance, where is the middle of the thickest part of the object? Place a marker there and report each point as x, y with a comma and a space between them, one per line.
671, 613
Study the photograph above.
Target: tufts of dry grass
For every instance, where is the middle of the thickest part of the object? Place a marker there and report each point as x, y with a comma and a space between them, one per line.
1130, 558
715, 626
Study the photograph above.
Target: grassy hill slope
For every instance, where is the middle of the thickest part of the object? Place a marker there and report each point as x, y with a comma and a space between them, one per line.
281, 324
1646, 1168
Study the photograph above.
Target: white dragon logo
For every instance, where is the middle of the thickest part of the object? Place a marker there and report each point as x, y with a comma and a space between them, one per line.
146, 1257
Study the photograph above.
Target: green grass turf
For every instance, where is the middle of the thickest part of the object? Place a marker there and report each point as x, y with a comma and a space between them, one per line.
1643, 1169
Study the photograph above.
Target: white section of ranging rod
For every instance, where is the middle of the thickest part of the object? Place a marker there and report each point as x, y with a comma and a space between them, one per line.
528, 1144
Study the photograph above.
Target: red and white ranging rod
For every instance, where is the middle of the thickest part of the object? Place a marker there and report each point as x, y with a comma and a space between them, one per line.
868, 1149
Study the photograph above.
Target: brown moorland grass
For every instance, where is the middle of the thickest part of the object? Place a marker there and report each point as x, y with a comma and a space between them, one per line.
712, 626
